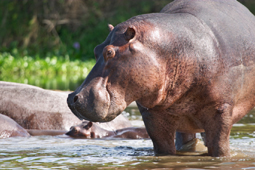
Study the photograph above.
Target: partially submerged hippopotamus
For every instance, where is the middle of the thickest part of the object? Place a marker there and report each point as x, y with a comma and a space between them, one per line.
92, 130
35, 108
39, 109
190, 68
9, 128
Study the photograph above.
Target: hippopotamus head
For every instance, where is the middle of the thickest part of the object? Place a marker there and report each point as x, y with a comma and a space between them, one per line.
87, 130
127, 69
82, 130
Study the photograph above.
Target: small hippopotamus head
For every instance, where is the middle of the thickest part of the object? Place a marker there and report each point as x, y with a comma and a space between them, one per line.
87, 130
81, 131
128, 68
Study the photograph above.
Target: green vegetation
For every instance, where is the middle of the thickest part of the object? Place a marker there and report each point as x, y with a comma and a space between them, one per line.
43, 41
52, 72
56, 27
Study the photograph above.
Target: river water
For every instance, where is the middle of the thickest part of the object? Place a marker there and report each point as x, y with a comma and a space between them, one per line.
62, 152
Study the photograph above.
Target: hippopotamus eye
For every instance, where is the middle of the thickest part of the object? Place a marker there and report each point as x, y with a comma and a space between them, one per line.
108, 52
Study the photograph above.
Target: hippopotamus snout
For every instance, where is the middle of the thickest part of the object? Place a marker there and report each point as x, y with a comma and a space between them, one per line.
92, 99
71, 104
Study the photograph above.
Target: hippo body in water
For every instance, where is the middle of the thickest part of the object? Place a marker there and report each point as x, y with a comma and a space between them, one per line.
190, 68
36, 108
92, 130
9, 128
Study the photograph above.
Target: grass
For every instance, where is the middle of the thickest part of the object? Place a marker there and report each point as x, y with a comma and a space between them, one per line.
51, 72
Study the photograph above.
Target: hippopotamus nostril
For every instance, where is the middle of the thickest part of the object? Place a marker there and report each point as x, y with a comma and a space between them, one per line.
75, 99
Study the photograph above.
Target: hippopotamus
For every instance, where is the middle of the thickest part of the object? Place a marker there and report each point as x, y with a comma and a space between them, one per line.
10, 128
39, 109
36, 132
190, 68
92, 130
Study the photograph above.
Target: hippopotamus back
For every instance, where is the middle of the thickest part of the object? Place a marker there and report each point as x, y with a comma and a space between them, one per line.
36, 108
227, 22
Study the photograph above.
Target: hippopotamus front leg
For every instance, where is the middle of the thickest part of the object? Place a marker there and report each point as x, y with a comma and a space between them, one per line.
161, 130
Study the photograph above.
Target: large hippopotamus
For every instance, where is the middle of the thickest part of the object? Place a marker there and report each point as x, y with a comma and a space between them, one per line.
190, 68
36, 108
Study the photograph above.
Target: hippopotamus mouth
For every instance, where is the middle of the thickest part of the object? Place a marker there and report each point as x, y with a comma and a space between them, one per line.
95, 102
71, 105
74, 106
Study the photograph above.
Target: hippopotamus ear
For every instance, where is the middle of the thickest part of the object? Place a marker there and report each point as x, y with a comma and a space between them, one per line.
130, 33
88, 126
111, 27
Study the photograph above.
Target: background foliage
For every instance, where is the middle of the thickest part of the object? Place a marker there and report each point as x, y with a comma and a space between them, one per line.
48, 39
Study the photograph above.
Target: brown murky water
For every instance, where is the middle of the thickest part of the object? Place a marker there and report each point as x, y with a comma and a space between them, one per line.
62, 152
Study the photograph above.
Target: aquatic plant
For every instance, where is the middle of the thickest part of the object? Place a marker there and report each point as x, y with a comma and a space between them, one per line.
49, 72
